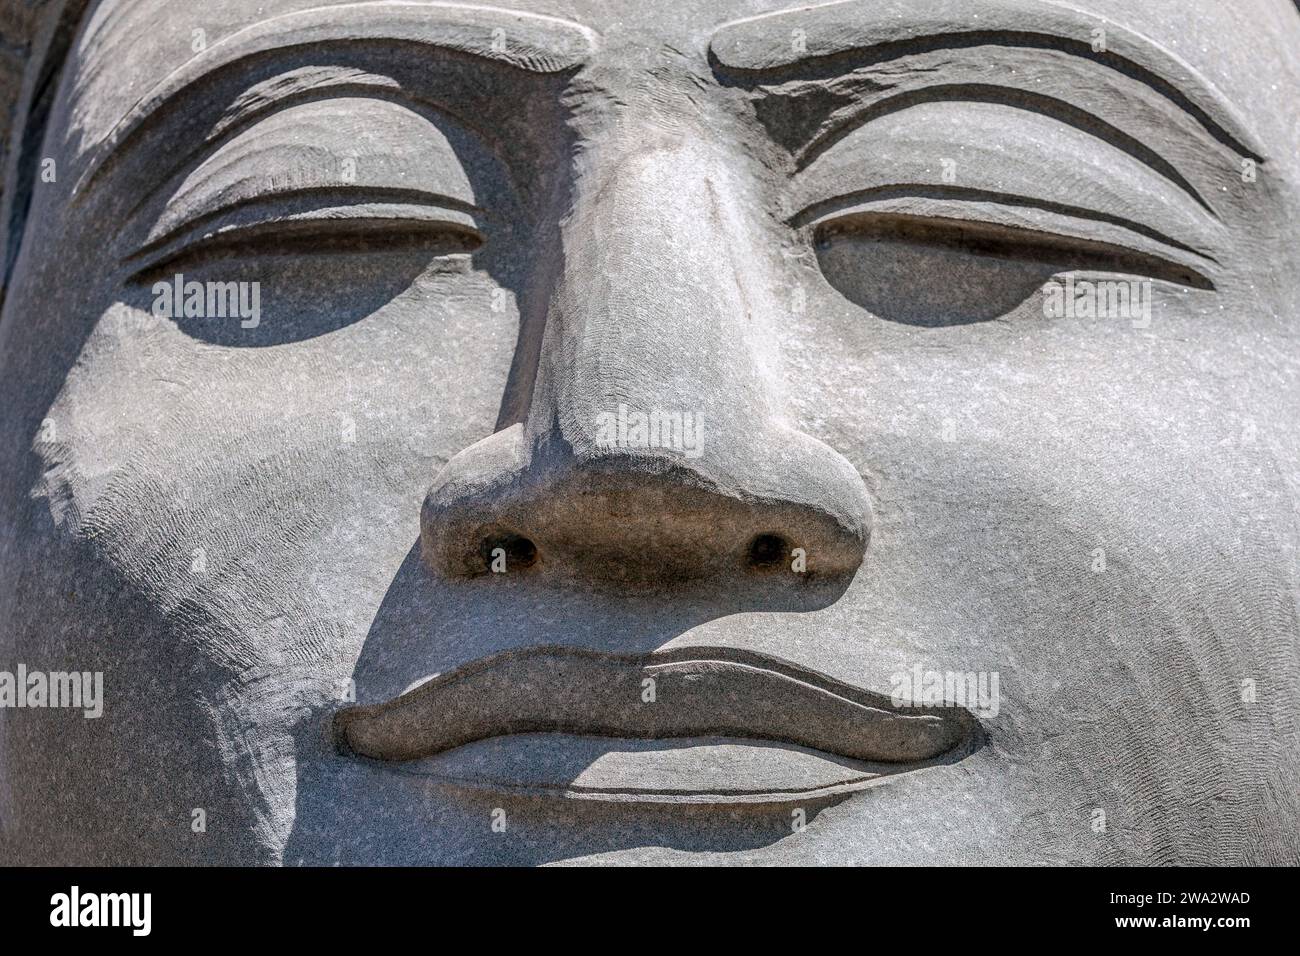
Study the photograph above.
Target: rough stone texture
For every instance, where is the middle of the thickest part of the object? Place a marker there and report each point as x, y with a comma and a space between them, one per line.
18, 20
366, 578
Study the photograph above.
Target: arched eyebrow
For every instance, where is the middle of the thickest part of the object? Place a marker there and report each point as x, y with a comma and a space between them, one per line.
837, 38
528, 42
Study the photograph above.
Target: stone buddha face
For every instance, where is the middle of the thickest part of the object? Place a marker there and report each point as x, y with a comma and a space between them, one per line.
545, 430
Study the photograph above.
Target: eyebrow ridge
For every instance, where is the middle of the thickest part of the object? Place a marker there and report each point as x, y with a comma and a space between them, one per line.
459, 28
355, 88
1012, 97
760, 48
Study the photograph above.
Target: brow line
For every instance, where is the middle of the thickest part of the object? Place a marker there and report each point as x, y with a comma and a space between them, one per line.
1058, 109
358, 87
529, 42
845, 35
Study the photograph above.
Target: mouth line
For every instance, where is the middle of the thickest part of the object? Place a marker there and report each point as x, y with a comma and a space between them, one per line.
728, 774
664, 695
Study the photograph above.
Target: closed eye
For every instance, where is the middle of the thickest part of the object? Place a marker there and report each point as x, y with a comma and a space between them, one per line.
316, 221
935, 262
999, 241
945, 213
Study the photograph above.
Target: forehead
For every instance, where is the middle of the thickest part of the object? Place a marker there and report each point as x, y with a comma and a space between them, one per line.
127, 47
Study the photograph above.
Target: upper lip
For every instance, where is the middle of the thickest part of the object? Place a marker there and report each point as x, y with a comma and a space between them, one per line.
689, 692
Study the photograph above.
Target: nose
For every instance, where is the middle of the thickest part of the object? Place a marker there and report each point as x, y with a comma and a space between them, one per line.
653, 447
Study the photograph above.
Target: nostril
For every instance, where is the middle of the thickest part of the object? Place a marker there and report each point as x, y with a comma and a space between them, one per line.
767, 551
507, 551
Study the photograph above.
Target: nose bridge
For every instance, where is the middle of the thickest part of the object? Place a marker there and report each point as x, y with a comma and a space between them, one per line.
651, 312
653, 445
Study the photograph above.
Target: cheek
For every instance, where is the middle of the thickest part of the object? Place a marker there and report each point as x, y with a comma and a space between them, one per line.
1097, 511
230, 480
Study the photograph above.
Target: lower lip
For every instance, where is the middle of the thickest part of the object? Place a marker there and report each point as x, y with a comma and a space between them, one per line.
701, 770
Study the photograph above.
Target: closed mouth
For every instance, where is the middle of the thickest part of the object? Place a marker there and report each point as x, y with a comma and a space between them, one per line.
710, 696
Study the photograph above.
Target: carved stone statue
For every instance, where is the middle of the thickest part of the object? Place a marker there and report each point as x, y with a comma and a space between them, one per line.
744, 431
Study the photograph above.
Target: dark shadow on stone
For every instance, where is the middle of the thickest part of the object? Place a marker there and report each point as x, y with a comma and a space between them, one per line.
959, 288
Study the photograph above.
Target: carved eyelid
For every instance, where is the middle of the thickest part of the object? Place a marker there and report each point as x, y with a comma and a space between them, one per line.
320, 213
1107, 248
325, 160
323, 203
1001, 210
1001, 167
